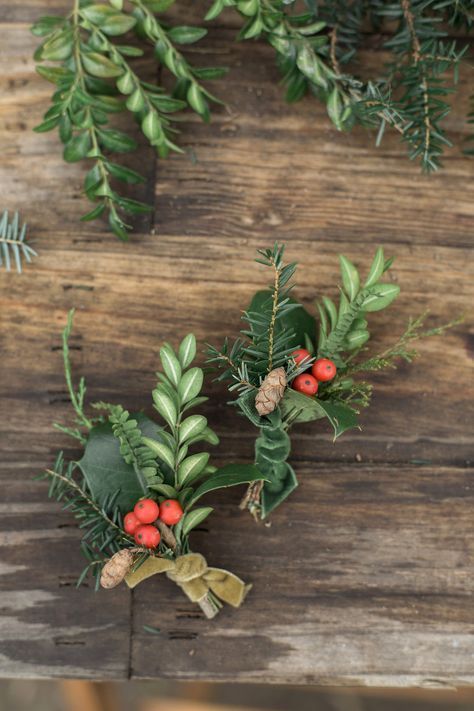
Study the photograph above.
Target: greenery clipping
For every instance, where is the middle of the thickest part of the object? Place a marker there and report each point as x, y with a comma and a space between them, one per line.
318, 47
98, 76
14, 247
127, 457
276, 325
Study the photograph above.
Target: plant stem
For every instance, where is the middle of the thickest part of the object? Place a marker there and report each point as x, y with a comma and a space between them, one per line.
76, 401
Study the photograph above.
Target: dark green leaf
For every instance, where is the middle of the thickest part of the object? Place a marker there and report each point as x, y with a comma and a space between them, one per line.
342, 417
78, 147
309, 408
105, 470
186, 35
45, 25
230, 475
126, 174
194, 518
94, 214
100, 66
116, 140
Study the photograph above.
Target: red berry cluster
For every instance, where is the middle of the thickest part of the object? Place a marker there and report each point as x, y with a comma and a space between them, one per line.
322, 371
139, 522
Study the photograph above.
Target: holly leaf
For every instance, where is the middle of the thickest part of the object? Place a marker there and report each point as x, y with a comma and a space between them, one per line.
230, 475
105, 470
246, 403
297, 321
342, 417
308, 408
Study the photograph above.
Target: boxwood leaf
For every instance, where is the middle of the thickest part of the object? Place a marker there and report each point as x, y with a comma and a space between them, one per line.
350, 277
116, 141
192, 467
377, 268
160, 450
186, 35
380, 296
190, 384
165, 489
100, 66
191, 426
78, 147
171, 365
118, 24
187, 350
230, 475
105, 470
165, 407
194, 518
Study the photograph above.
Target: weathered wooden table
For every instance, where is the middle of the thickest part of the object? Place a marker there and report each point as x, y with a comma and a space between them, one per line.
366, 574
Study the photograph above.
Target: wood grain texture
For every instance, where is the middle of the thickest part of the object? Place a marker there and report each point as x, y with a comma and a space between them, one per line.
365, 575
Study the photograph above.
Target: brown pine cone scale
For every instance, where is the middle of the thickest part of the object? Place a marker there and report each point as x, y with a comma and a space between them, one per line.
115, 570
271, 391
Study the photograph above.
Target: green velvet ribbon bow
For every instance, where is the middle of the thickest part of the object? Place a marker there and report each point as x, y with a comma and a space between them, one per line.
204, 585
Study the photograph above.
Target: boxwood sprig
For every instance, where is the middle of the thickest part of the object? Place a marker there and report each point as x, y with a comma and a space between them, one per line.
96, 78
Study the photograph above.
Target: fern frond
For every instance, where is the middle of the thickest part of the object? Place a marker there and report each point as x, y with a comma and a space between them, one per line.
13, 245
132, 449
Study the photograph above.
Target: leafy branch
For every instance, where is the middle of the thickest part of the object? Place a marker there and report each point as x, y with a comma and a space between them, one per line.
13, 244
315, 47
102, 525
95, 79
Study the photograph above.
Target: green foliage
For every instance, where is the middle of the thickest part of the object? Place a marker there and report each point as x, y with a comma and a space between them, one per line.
14, 247
101, 523
127, 457
97, 78
115, 459
315, 48
274, 317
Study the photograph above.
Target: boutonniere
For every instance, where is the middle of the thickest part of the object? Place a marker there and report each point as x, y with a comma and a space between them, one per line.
287, 367
137, 488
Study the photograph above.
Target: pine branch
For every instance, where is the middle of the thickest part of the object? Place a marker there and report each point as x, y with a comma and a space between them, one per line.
13, 244
102, 525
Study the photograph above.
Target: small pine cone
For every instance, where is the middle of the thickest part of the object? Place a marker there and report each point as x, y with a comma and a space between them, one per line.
115, 570
271, 391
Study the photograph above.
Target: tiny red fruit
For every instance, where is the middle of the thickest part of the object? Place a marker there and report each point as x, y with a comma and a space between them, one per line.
146, 510
300, 355
306, 384
131, 523
323, 370
147, 536
171, 512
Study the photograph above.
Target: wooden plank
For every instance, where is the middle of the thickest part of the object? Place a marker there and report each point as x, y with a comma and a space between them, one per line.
345, 586
364, 576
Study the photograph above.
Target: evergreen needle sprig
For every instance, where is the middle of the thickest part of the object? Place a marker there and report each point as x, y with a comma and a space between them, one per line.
278, 367
97, 78
315, 49
14, 247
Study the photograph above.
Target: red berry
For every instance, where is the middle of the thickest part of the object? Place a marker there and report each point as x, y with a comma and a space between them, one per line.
146, 510
323, 370
147, 536
305, 384
171, 512
131, 523
300, 355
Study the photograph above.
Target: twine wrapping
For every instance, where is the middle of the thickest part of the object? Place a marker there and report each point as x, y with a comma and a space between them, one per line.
196, 579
